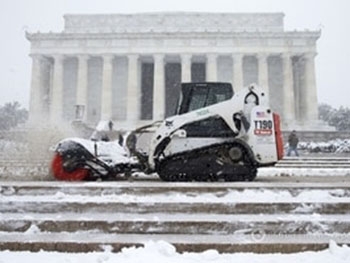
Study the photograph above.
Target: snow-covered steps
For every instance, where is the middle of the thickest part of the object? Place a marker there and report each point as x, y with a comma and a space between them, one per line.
86, 242
308, 166
149, 187
314, 162
180, 207
252, 216
178, 223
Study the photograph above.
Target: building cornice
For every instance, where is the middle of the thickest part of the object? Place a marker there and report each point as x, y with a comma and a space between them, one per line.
161, 35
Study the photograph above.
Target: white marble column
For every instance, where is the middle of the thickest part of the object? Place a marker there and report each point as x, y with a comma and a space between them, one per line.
288, 89
107, 73
133, 92
263, 75
237, 75
159, 88
56, 106
309, 87
35, 104
186, 67
82, 82
211, 67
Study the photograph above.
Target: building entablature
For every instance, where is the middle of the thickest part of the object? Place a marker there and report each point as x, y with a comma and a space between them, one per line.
312, 35
177, 43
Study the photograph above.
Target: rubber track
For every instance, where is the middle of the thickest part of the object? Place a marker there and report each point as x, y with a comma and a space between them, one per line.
175, 167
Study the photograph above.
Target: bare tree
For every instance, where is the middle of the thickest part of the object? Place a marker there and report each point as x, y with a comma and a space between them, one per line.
339, 118
11, 115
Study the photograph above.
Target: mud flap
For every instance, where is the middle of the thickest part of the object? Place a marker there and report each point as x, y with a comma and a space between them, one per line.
278, 136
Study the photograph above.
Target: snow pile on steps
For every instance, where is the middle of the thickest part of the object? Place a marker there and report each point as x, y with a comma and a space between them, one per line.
333, 146
161, 251
231, 197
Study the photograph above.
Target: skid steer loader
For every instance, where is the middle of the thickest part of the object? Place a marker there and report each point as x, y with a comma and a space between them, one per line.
216, 134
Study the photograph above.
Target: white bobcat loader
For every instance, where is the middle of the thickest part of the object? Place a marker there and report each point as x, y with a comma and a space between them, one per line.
216, 134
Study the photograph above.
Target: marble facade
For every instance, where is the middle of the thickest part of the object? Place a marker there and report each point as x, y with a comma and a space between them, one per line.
127, 67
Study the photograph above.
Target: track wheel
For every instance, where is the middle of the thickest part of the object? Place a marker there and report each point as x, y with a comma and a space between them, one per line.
59, 172
235, 154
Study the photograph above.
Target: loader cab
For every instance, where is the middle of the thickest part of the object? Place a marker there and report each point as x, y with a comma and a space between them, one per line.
199, 95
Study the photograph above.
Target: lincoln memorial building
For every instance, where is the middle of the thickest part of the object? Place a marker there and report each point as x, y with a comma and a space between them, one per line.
128, 67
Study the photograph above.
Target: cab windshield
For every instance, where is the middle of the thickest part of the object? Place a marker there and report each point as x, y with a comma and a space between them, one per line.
200, 95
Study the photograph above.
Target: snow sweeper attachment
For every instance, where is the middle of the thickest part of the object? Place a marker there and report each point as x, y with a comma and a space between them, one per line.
216, 134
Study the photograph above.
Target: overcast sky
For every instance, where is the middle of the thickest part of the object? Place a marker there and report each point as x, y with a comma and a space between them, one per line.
331, 16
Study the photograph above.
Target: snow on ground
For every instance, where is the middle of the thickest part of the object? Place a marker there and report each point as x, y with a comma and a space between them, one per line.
10, 147
232, 196
161, 251
164, 252
276, 171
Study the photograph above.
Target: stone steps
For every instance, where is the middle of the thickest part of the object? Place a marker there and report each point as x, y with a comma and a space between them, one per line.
179, 224
81, 217
240, 208
85, 242
314, 162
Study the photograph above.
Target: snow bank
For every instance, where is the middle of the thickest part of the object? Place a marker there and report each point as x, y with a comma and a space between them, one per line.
333, 146
164, 252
